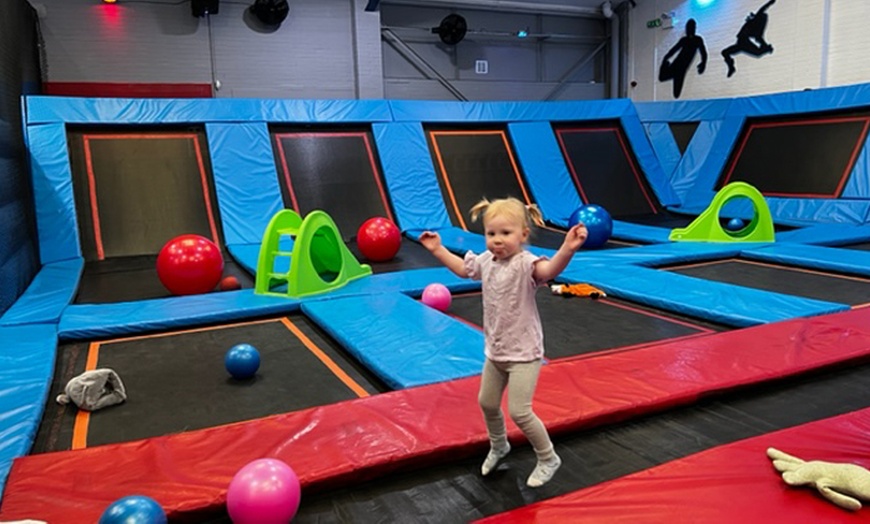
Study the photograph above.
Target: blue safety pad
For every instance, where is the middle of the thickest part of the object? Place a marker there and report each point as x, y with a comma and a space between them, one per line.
404, 342
50, 292
409, 282
53, 193
665, 146
646, 159
704, 161
245, 255
705, 299
245, 179
854, 261
26, 367
410, 176
818, 210
55, 109
662, 254
87, 321
454, 112
543, 164
683, 110
640, 232
827, 234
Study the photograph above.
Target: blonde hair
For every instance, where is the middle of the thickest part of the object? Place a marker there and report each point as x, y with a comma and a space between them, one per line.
508, 207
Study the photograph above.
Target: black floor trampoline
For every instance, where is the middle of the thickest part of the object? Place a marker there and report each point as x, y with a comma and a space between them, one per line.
808, 283
577, 325
176, 381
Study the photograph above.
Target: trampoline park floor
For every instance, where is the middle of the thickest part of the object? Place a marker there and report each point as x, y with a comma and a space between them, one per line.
176, 381
456, 492
789, 280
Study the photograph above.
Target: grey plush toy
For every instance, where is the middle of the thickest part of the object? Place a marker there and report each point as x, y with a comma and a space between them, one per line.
846, 485
93, 390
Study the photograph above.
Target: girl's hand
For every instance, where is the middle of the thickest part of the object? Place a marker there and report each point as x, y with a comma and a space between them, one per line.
430, 240
575, 237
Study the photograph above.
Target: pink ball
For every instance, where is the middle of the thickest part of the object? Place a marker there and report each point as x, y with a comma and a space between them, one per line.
437, 296
265, 491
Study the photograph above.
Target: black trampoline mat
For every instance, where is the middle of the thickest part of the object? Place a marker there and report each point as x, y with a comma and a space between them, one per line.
128, 279
815, 284
809, 157
334, 170
863, 246
579, 325
177, 381
137, 188
473, 164
683, 132
604, 170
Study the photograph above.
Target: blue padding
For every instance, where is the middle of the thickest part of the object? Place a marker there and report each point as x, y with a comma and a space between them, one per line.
246, 255
53, 193
42, 109
661, 254
802, 101
694, 161
26, 366
646, 158
640, 232
88, 321
402, 341
852, 261
818, 210
455, 112
714, 301
542, 162
245, 179
410, 282
827, 235
696, 181
858, 184
665, 146
52, 290
683, 111
410, 176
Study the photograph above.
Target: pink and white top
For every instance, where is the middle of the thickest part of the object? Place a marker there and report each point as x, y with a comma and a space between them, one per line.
511, 324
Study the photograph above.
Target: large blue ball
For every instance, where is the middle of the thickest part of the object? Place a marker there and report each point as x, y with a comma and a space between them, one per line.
242, 361
597, 221
135, 509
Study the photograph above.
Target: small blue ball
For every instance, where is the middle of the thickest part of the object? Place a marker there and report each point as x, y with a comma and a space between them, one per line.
598, 223
135, 509
242, 361
735, 224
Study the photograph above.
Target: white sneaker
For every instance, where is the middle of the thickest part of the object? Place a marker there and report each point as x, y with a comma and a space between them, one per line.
543, 472
493, 458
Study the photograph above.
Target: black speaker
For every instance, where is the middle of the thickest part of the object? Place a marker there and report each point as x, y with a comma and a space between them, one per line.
270, 12
452, 29
204, 7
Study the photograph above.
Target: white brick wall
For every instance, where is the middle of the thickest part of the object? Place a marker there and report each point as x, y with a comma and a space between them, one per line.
796, 29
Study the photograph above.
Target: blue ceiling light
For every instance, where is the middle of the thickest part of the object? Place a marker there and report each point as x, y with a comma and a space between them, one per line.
704, 3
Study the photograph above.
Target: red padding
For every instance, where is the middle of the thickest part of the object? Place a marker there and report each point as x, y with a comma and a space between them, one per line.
103, 89
364, 438
726, 484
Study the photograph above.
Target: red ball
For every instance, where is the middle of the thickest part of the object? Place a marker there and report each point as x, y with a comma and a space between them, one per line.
190, 264
379, 239
230, 283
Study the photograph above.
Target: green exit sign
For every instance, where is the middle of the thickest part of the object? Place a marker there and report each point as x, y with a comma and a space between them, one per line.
655, 22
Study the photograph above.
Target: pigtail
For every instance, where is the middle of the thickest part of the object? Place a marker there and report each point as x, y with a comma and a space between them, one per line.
534, 215
479, 209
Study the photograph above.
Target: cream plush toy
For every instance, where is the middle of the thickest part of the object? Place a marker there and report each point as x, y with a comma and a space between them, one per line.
846, 485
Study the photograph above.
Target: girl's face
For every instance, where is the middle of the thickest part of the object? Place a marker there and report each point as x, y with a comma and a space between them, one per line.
504, 237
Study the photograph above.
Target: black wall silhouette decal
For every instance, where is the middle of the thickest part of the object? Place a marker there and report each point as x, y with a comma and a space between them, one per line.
750, 38
687, 47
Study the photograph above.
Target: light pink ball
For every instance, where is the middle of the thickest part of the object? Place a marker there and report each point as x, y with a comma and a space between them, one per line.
266, 491
437, 296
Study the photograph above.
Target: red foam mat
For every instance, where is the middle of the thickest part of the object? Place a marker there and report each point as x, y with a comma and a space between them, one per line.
726, 484
364, 438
